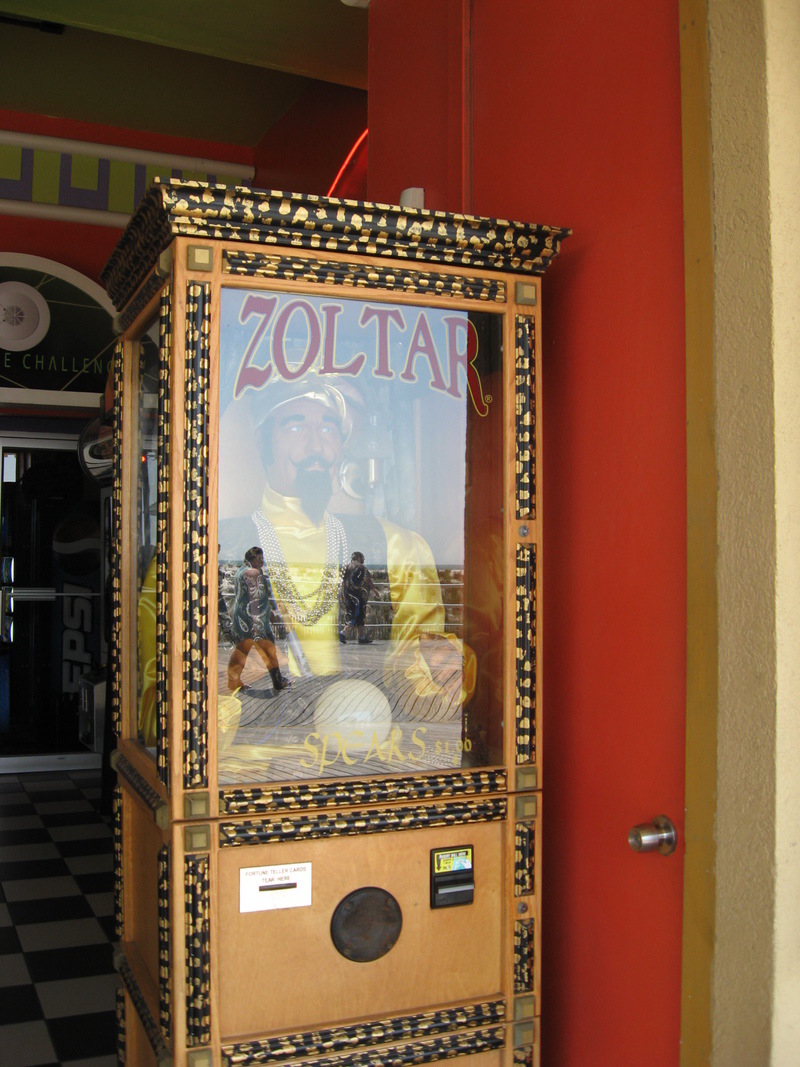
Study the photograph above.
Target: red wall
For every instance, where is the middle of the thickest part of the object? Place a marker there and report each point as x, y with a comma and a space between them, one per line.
84, 248
416, 101
576, 122
304, 150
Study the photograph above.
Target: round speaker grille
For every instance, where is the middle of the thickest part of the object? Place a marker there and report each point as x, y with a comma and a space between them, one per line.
366, 924
24, 316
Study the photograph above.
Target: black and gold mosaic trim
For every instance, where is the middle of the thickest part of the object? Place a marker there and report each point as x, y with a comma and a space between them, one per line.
195, 538
116, 830
525, 416
149, 1024
524, 838
523, 956
343, 1038
164, 995
346, 792
366, 275
140, 300
115, 533
523, 1056
146, 236
413, 1052
526, 653
121, 1026
198, 956
174, 207
138, 784
348, 823
163, 534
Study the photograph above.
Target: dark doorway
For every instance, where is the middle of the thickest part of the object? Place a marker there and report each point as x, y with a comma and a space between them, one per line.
51, 547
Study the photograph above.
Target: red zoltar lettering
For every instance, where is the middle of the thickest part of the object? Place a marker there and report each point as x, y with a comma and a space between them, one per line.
465, 359
250, 377
384, 330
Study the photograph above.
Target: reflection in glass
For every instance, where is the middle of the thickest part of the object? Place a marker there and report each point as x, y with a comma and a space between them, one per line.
360, 547
145, 557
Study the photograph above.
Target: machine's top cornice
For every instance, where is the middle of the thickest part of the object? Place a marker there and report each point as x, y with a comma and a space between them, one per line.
173, 207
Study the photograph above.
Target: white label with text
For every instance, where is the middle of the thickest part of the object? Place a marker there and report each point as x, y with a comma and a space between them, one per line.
270, 888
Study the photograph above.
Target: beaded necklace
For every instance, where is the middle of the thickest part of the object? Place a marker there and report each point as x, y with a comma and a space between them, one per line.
306, 609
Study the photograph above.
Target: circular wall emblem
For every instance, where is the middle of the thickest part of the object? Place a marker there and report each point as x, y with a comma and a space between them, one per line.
366, 924
24, 316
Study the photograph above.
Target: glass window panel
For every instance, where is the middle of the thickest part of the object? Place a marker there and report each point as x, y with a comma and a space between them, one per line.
360, 537
145, 519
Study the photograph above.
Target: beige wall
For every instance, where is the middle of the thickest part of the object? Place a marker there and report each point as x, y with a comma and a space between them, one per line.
783, 98
754, 63
745, 824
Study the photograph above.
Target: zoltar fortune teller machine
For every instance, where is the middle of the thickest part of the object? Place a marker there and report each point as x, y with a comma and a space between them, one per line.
326, 651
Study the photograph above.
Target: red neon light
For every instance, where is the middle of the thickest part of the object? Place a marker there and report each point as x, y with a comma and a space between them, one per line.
347, 161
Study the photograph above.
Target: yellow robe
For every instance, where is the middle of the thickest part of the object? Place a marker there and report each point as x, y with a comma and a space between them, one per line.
413, 582
146, 632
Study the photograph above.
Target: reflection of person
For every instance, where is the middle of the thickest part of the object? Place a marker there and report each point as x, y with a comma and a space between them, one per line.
302, 438
356, 586
222, 607
250, 622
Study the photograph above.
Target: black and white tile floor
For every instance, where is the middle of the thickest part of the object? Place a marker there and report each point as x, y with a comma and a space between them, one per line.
57, 982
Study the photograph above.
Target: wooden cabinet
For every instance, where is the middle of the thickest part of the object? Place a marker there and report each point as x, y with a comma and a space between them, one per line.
326, 671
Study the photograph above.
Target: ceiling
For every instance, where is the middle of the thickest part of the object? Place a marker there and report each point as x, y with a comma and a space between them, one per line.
215, 70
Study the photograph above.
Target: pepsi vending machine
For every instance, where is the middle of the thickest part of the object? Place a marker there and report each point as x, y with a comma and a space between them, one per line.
325, 659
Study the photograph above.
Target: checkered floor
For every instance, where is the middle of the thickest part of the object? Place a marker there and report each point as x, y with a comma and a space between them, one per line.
57, 982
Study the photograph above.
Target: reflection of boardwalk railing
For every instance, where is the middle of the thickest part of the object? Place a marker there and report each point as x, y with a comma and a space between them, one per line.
379, 612
451, 586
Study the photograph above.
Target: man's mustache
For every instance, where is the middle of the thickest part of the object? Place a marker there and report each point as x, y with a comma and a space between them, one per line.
311, 462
